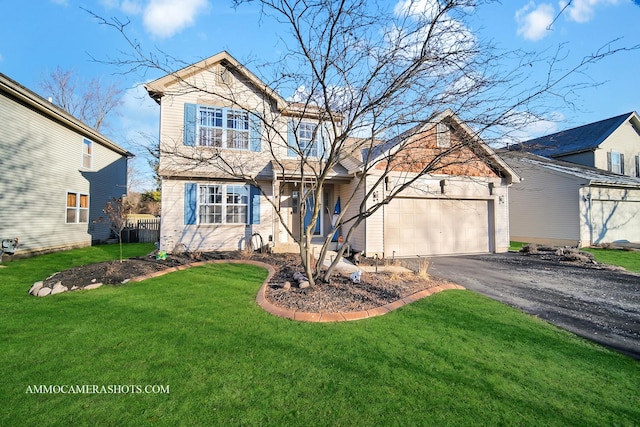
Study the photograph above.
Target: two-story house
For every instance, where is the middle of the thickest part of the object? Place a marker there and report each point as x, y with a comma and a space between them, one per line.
580, 186
231, 170
57, 174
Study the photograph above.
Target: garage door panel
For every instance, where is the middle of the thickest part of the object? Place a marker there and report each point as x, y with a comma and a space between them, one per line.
615, 221
436, 227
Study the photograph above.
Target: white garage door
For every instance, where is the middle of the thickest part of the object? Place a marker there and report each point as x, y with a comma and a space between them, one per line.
615, 221
436, 227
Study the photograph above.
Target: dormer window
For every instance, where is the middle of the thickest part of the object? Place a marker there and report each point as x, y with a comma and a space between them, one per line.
443, 135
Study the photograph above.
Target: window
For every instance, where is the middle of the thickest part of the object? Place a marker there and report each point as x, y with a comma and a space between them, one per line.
77, 208
210, 127
223, 204
637, 166
238, 130
307, 139
223, 128
615, 162
443, 135
87, 153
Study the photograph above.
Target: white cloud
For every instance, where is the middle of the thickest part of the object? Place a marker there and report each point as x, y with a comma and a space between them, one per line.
584, 10
164, 18
418, 8
445, 36
533, 20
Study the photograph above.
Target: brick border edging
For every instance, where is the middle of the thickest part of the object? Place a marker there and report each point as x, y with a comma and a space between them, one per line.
303, 316
323, 317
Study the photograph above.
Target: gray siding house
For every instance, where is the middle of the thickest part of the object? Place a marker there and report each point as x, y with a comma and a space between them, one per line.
57, 174
580, 186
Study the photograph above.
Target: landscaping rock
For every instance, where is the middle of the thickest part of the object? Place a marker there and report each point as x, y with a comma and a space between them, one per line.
304, 284
36, 287
286, 286
58, 288
44, 292
93, 286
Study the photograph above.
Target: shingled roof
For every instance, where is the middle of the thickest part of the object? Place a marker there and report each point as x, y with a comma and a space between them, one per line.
576, 140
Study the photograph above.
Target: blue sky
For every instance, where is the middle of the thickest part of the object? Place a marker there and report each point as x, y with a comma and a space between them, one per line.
36, 36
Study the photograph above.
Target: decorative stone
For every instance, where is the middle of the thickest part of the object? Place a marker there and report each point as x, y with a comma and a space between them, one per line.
36, 287
93, 286
58, 288
74, 287
125, 281
44, 292
304, 284
356, 276
286, 286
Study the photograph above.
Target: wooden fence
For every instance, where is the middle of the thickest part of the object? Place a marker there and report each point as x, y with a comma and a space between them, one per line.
142, 230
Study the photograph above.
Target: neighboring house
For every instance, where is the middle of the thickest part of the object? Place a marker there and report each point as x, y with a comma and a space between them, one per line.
612, 145
562, 203
210, 111
580, 186
57, 174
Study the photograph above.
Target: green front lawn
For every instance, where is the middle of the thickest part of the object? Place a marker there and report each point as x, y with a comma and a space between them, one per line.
630, 260
455, 358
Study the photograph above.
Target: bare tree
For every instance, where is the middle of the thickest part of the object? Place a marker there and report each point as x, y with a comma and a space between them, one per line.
116, 211
378, 80
91, 102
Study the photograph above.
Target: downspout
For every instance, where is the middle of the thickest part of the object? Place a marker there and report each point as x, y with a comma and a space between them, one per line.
274, 218
590, 201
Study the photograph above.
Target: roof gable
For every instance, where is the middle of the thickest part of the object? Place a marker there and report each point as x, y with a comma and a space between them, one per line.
159, 87
475, 146
582, 138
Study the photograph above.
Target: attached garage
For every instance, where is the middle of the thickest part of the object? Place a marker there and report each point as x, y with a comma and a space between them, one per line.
420, 226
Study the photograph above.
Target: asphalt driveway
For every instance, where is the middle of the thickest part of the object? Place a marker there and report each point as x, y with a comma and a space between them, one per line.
595, 303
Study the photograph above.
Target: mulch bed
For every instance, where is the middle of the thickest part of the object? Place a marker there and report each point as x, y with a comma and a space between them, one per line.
340, 295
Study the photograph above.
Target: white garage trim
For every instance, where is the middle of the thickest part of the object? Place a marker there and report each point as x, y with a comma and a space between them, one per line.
419, 226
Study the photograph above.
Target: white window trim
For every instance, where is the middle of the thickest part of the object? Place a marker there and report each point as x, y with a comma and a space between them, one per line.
223, 205
87, 142
616, 167
225, 130
77, 208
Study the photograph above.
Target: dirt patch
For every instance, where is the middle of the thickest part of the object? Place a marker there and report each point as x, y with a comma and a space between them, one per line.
339, 295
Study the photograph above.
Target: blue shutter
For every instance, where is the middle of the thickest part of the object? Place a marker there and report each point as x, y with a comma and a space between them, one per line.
255, 132
190, 202
291, 139
190, 112
254, 196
